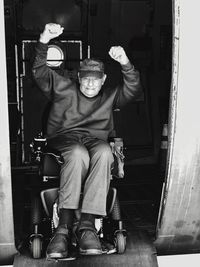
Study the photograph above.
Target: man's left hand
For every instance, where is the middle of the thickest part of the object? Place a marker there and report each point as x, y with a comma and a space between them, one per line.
117, 53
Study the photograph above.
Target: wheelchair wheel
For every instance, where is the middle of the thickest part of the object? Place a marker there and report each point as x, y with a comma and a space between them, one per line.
36, 247
120, 241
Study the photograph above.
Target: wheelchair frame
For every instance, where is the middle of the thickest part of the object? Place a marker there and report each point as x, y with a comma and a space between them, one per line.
45, 158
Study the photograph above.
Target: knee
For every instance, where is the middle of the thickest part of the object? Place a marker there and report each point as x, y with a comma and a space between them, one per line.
103, 151
76, 152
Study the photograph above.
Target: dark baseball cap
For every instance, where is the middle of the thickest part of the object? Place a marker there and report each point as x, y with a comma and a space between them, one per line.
91, 67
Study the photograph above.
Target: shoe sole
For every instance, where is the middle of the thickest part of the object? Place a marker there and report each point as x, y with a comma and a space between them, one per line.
56, 255
90, 251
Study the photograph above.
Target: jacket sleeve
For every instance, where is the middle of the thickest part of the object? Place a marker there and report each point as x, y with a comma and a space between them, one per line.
50, 82
131, 87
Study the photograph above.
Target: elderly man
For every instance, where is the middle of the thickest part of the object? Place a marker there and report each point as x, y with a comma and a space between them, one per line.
79, 125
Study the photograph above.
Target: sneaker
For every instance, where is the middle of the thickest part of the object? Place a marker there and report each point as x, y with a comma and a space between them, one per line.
58, 245
88, 240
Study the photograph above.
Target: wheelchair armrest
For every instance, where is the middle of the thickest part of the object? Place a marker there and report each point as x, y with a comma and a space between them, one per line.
39, 149
117, 148
56, 156
38, 146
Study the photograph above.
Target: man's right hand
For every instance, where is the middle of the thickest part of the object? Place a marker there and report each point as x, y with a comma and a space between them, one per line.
51, 30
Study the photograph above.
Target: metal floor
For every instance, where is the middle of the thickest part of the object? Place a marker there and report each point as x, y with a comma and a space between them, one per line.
140, 252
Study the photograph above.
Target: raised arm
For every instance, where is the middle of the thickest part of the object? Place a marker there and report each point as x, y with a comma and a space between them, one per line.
51, 31
131, 88
43, 75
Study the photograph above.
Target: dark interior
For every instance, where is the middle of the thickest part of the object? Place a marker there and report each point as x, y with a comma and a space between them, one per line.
144, 29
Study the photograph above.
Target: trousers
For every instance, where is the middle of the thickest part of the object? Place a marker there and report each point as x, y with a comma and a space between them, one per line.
87, 169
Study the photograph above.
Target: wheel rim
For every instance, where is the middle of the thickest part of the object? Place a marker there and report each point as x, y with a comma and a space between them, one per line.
120, 243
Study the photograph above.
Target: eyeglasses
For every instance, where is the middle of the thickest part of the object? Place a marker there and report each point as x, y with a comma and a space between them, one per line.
90, 79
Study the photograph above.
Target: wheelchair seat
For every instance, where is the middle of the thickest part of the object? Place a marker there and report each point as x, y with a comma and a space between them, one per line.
51, 159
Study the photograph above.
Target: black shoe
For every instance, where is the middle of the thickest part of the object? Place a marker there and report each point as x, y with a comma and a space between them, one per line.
88, 240
58, 245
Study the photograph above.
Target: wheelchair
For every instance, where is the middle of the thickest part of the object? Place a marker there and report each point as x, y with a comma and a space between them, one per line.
110, 228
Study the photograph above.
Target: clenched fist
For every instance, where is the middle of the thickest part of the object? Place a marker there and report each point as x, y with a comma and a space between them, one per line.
51, 30
117, 53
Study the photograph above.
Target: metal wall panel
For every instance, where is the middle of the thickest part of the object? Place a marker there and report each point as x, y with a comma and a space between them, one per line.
179, 220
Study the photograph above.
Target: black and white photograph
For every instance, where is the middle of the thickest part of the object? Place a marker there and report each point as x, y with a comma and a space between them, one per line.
100, 133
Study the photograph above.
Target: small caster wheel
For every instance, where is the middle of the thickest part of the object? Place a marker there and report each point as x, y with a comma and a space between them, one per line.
120, 241
36, 247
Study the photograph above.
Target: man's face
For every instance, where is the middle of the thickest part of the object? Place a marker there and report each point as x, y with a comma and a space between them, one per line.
91, 85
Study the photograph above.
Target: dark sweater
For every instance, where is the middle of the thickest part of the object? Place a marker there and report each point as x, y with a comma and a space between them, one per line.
72, 111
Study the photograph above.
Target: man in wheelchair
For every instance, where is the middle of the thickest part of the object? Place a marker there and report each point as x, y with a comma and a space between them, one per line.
79, 125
